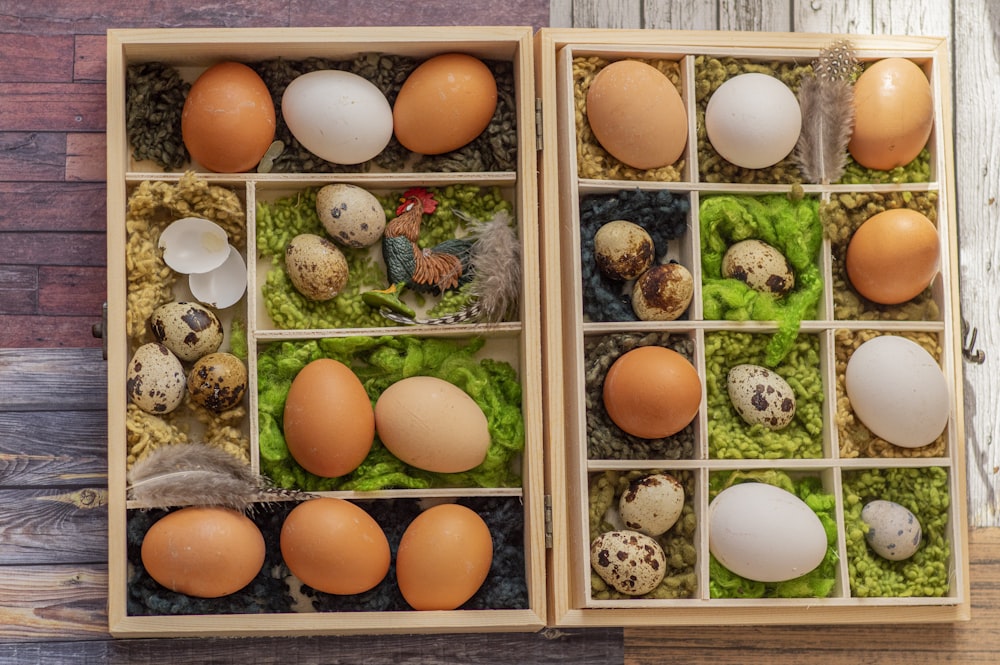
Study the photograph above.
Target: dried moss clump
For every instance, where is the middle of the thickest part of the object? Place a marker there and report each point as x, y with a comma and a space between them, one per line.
593, 161
681, 577
856, 440
729, 436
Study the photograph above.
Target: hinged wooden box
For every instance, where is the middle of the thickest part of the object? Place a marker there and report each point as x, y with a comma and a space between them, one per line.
547, 494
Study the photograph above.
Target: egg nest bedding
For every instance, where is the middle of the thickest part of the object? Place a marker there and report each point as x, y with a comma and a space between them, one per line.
155, 94
924, 492
281, 220
856, 440
790, 224
270, 593
841, 216
729, 436
681, 578
819, 582
593, 161
663, 215
379, 362
605, 440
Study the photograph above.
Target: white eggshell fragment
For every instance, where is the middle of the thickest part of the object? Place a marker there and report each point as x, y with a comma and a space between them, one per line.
761, 396
894, 532
761, 266
155, 381
224, 286
652, 504
764, 533
350, 214
631, 562
663, 292
753, 120
898, 391
194, 245
338, 116
189, 330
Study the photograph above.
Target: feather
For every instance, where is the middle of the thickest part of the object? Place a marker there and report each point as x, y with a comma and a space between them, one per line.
827, 103
496, 263
192, 474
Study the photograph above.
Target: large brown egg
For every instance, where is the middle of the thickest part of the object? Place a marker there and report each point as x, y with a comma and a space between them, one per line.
334, 546
893, 256
444, 557
328, 422
637, 114
893, 114
652, 392
205, 552
228, 119
444, 103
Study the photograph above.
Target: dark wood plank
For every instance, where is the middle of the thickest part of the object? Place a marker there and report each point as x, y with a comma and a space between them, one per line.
76, 249
32, 156
86, 157
46, 331
58, 107
42, 206
71, 290
90, 58
46, 527
427, 12
40, 380
18, 289
50, 58
63, 449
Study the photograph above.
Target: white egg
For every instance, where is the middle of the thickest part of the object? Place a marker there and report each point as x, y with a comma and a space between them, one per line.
898, 391
338, 116
224, 286
764, 533
193, 245
753, 120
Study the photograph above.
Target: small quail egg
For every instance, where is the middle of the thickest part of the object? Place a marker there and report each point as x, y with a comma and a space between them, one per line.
155, 379
760, 265
318, 269
894, 532
662, 293
623, 250
189, 330
761, 396
351, 215
652, 504
631, 562
218, 381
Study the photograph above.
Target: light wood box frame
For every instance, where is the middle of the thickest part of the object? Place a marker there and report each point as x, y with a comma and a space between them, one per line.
567, 465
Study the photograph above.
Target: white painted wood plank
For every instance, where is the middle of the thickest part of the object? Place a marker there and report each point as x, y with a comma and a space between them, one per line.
834, 16
607, 14
561, 13
914, 17
681, 14
756, 15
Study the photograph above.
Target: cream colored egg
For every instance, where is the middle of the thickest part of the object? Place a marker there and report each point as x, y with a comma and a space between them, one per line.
155, 381
761, 266
894, 532
218, 381
652, 504
317, 268
623, 250
761, 396
350, 214
188, 329
631, 562
663, 292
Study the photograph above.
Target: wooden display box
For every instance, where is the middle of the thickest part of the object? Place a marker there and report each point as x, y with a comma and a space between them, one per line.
546, 342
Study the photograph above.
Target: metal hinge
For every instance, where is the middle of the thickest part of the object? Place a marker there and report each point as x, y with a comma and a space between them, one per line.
100, 330
538, 123
548, 521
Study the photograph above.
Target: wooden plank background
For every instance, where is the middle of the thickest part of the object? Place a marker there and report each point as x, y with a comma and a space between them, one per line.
52, 378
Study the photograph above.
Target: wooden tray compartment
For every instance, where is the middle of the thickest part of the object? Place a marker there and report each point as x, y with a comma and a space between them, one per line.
517, 341
828, 460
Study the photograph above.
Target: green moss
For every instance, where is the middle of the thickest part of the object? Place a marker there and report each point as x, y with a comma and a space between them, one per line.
729, 436
378, 363
924, 491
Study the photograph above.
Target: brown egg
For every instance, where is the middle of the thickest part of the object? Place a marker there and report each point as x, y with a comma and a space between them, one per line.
444, 103
228, 119
652, 392
334, 546
328, 422
205, 552
637, 114
893, 256
894, 111
444, 557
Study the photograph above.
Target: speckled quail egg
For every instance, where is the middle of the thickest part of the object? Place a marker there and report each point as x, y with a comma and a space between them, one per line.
188, 329
760, 265
652, 504
663, 292
623, 250
218, 381
761, 396
351, 215
316, 266
155, 380
631, 562
894, 532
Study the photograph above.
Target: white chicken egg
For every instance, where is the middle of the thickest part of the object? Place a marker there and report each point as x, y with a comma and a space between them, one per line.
898, 391
338, 116
194, 245
753, 120
223, 286
764, 533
